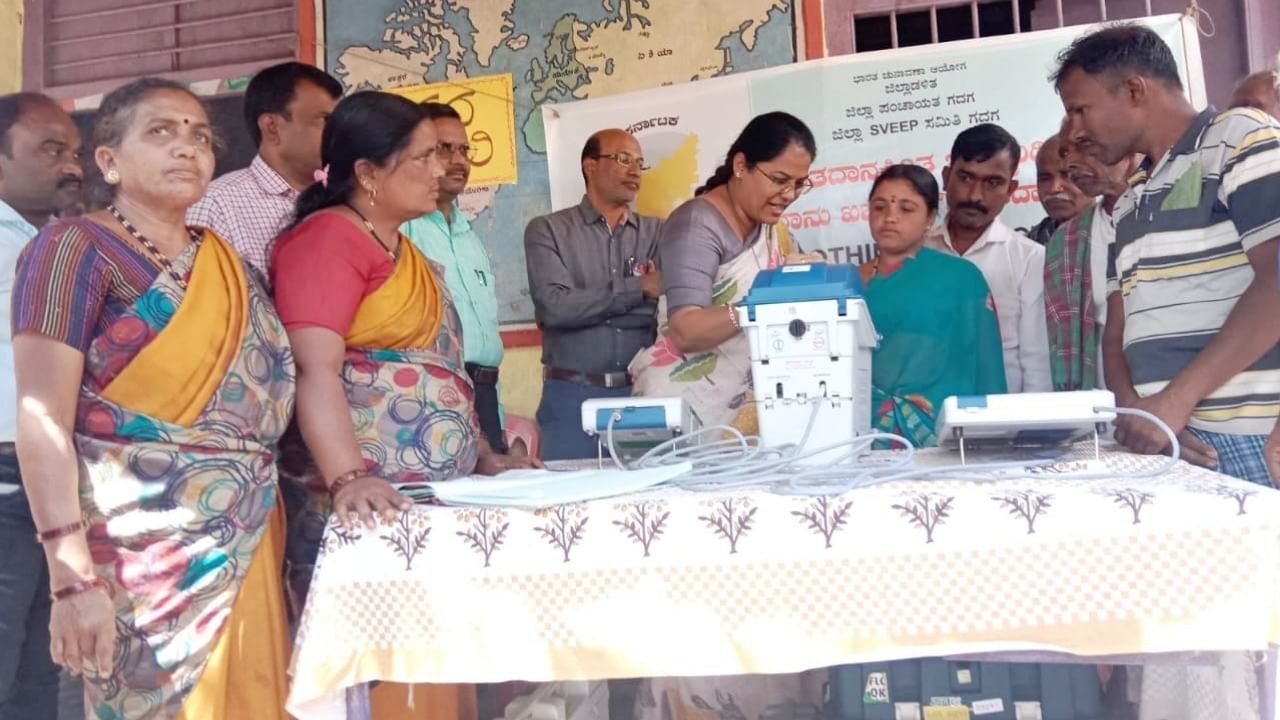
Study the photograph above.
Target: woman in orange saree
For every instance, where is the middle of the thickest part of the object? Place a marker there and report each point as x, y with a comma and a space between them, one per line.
383, 395
154, 381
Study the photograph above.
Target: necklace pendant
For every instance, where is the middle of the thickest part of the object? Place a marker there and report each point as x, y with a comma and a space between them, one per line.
158, 257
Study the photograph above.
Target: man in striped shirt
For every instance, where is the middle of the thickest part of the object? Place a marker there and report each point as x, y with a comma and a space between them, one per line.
1193, 333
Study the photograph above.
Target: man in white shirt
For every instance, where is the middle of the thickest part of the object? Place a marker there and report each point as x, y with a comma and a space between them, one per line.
40, 177
978, 182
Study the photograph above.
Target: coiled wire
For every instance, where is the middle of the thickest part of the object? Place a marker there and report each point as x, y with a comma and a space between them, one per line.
728, 459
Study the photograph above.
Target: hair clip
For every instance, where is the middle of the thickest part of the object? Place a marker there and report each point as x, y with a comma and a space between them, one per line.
321, 176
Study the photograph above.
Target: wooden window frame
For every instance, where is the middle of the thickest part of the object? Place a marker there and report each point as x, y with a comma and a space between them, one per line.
33, 52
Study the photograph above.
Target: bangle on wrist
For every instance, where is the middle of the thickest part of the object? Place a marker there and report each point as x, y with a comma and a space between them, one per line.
60, 532
79, 588
345, 479
733, 318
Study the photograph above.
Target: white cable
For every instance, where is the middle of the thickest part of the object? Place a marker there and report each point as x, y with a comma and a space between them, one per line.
741, 461
736, 461
613, 453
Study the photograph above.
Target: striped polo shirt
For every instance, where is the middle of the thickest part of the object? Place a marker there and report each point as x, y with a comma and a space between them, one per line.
1179, 260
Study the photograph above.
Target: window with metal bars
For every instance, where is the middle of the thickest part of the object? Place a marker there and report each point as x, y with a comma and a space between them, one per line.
1237, 36
923, 22
75, 48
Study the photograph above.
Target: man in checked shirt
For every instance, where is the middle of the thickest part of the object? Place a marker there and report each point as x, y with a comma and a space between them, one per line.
285, 107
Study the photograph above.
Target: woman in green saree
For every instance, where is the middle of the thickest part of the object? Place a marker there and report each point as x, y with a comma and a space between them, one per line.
939, 335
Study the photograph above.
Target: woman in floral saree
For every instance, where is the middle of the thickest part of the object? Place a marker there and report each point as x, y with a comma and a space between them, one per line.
709, 251
383, 395
154, 380
934, 313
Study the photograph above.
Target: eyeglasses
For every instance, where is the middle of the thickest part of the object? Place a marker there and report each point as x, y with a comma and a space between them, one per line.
448, 149
785, 182
625, 159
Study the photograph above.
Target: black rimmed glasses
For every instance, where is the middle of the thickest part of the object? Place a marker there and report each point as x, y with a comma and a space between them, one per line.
784, 182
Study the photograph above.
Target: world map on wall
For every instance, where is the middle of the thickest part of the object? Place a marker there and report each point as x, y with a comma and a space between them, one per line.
556, 51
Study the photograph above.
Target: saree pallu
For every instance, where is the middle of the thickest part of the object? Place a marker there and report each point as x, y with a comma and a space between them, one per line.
413, 411
717, 386
939, 337
715, 383
412, 403
183, 400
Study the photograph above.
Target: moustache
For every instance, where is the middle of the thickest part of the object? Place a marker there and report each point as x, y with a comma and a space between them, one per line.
979, 207
1052, 197
69, 181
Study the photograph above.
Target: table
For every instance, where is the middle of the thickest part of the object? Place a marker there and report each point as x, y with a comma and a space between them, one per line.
680, 583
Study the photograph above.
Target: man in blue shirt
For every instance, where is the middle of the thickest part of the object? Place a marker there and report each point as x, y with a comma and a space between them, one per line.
446, 238
40, 177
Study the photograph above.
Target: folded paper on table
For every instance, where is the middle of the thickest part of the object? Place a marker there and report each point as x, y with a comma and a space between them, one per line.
542, 488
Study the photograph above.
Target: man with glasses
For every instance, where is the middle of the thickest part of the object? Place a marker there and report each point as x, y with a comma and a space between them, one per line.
978, 182
285, 108
595, 289
445, 236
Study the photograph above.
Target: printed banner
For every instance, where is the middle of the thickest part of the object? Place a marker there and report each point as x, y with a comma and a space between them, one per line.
682, 134
868, 111
486, 105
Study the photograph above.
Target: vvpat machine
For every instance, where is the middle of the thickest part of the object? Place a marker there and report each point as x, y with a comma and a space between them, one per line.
811, 338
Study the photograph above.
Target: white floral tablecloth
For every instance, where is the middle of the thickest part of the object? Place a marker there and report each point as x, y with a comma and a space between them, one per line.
680, 583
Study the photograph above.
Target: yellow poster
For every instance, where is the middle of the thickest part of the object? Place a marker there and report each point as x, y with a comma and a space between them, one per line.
486, 106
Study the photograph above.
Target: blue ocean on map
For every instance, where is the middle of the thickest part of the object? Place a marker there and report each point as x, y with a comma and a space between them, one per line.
557, 51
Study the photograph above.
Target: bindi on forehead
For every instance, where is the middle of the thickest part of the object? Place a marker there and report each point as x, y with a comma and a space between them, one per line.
166, 113
894, 198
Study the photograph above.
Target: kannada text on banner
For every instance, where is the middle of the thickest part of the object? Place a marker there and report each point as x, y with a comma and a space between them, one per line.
485, 104
867, 112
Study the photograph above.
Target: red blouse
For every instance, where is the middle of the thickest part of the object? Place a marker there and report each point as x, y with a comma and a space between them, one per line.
322, 269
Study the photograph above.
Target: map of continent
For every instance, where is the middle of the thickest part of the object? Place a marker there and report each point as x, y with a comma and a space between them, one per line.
556, 51
671, 178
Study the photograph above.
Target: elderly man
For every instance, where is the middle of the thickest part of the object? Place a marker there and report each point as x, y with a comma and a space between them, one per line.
595, 291
1260, 91
1075, 271
1059, 197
